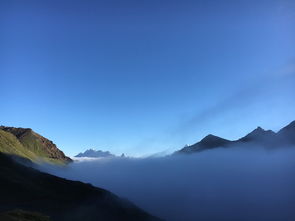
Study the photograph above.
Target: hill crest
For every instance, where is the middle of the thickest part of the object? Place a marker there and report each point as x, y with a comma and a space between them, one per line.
26, 143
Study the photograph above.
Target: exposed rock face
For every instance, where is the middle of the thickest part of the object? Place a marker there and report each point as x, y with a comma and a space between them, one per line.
37, 144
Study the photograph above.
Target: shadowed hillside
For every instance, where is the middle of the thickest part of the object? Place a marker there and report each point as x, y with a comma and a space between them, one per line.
62, 200
21, 215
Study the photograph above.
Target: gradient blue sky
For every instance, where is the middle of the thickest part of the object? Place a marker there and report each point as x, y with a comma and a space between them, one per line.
141, 77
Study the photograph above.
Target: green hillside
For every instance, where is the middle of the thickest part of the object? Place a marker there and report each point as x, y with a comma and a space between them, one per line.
9, 144
24, 142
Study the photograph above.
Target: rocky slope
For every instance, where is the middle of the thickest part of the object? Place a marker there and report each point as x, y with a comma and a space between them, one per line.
26, 143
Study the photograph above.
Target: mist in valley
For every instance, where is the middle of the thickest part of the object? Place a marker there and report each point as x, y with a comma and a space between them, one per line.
222, 184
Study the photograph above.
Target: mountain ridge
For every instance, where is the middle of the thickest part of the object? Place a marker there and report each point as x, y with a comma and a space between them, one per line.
285, 136
95, 153
25, 142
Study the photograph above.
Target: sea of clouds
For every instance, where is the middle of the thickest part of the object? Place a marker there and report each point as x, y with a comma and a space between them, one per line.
238, 184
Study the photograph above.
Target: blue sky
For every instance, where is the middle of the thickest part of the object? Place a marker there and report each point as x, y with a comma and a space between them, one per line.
141, 77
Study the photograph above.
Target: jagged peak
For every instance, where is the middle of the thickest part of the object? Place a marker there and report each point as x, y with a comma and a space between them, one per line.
260, 131
90, 150
94, 153
257, 130
257, 134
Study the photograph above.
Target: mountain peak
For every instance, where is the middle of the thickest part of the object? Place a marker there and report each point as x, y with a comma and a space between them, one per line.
257, 134
258, 130
211, 141
210, 137
208, 142
95, 153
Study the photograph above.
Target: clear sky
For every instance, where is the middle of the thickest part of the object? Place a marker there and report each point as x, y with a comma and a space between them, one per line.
142, 77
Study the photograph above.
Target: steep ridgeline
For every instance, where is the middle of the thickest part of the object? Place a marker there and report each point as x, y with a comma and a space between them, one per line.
24, 142
25, 191
268, 138
95, 153
287, 134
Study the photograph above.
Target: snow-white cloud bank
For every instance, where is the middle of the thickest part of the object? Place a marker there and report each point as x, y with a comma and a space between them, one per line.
222, 184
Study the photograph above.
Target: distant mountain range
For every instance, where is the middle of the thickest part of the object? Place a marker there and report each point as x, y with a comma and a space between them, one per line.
25, 191
95, 153
267, 138
26, 143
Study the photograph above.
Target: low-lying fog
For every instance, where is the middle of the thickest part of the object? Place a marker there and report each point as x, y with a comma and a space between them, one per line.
222, 184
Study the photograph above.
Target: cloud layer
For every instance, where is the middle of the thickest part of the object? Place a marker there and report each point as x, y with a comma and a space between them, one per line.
222, 184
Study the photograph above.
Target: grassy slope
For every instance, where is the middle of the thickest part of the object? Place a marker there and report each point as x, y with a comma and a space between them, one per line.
11, 145
28, 145
31, 142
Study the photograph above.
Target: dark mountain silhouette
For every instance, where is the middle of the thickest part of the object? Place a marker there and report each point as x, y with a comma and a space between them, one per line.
24, 191
26, 143
258, 135
95, 153
286, 136
287, 133
208, 142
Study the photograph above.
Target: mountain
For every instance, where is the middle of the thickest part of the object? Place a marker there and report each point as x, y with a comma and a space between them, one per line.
95, 153
288, 133
24, 142
286, 136
258, 135
209, 142
25, 191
